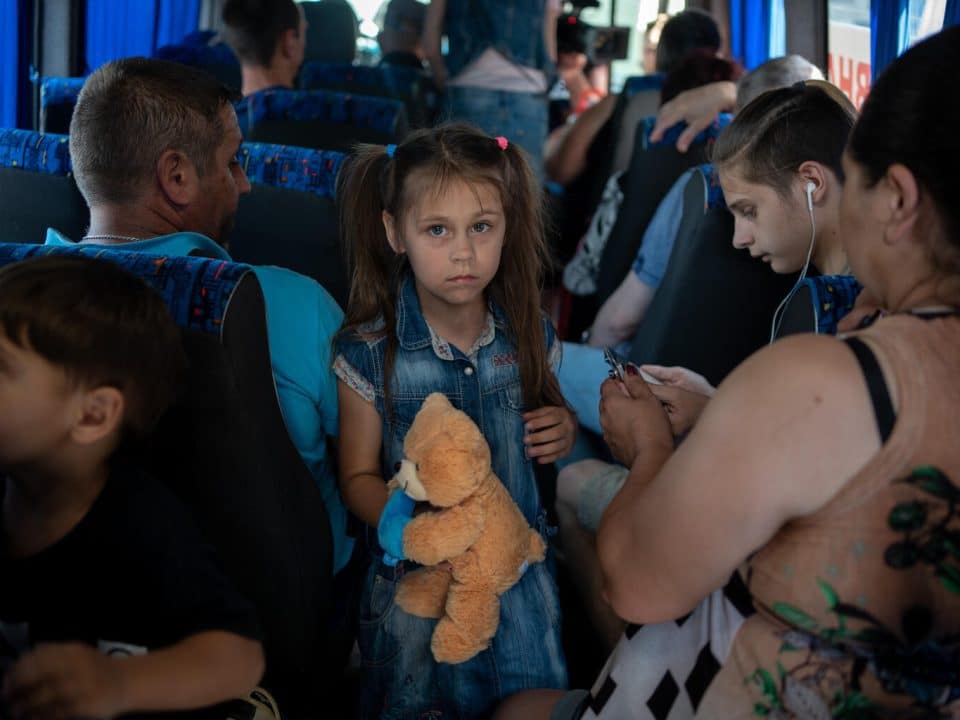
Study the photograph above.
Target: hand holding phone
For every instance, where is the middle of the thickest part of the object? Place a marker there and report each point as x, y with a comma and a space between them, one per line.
619, 367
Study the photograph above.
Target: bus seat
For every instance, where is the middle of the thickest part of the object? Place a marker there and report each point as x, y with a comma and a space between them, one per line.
640, 99
654, 168
715, 303
58, 95
290, 218
37, 190
408, 84
818, 304
218, 60
224, 448
320, 119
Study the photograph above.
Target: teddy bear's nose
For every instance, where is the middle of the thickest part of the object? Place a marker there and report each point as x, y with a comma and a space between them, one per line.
397, 466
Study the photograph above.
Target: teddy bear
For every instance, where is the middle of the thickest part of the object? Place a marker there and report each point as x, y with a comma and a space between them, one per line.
473, 541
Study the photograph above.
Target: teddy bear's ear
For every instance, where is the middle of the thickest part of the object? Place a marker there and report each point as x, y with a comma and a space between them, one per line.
436, 400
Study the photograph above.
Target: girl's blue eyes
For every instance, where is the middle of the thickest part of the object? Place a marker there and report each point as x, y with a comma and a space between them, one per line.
439, 230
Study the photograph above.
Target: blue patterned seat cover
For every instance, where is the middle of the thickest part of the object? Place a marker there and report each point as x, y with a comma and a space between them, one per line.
335, 108
283, 166
197, 290
833, 297
29, 150
673, 133
291, 167
401, 81
218, 60
641, 83
712, 183
57, 90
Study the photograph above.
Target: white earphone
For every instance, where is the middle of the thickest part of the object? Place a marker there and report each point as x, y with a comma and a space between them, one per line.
775, 325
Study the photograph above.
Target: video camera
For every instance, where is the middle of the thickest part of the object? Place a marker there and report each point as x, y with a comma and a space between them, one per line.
599, 44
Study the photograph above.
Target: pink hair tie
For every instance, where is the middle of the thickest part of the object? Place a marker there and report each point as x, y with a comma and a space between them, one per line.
502, 142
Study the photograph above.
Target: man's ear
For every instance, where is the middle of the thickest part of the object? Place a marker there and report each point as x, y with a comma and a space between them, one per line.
101, 413
901, 199
393, 237
178, 177
288, 42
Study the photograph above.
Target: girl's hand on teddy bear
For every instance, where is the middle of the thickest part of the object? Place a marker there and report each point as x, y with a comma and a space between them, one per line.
550, 432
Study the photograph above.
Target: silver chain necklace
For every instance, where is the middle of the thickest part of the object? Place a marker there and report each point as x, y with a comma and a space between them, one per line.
107, 237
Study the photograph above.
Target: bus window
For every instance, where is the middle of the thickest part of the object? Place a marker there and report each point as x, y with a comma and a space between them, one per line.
848, 47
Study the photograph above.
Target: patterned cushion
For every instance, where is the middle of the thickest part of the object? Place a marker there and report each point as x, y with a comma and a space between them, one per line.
359, 111
29, 150
712, 183
833, 297
400, 81
672, 134
294, 168
218, 60
640, 83
57, 90
196, 290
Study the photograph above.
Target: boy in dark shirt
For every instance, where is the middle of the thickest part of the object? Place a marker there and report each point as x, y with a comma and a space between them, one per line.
110, 602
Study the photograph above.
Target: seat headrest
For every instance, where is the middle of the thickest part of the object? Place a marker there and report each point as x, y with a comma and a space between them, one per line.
833, 297
29, 150
673, 133
359, 111
55, 90
321, 75
711, 183
291, 167
196, 290
640, 83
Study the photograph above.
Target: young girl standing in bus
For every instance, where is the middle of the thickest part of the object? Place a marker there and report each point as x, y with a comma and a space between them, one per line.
446, 241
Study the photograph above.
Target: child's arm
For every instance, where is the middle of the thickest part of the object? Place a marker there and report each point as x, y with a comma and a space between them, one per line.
550, 432
74, 680
361, 437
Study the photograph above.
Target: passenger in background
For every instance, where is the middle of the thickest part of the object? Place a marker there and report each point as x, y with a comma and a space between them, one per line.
781, 142
399, 36
154, 148
112, 603
495, 72
651, 39
269, 37
331, 31
446, 238
822, 477
683, 33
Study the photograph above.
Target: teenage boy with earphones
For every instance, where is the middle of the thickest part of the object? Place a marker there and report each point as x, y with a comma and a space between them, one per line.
779, 164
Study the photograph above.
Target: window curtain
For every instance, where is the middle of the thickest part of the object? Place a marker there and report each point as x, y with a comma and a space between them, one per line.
125, 28
9, 17
888, 32
15, 110
758, 31
952, 14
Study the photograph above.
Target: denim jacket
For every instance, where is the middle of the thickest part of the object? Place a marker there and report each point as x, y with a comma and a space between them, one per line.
514, 28
484, 383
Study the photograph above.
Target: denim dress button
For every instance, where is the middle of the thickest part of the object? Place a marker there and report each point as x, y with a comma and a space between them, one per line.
468, 371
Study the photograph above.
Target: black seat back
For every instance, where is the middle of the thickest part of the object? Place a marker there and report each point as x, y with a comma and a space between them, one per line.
37, 190
653, 170
818, 304
290, 218
224, 448
715, 303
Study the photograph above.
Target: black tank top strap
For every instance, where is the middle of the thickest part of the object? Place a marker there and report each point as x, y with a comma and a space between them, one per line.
876, 385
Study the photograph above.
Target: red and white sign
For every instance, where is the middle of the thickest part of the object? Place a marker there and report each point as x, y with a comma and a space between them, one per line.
848, 60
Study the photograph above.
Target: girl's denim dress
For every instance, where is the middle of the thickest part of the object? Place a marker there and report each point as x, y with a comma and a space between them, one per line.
400, 677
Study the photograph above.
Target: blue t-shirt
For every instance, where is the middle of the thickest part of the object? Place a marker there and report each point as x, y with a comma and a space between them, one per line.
650, 264
302, 319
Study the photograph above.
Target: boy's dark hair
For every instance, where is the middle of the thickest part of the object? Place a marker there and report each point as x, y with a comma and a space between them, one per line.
252, 28
782, 129
910, 118
101, 325
685, 32
129, 112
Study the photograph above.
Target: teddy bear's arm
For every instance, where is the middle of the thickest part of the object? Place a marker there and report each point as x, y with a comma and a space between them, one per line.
433, 537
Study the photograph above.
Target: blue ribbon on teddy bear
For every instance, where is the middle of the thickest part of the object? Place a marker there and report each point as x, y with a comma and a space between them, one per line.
396, 514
